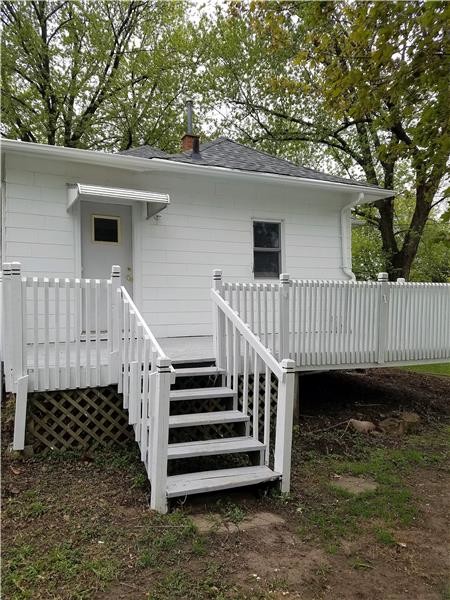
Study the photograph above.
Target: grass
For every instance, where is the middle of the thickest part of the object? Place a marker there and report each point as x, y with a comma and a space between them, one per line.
28, 566
179, 584
335, 514
231, 512
432, 369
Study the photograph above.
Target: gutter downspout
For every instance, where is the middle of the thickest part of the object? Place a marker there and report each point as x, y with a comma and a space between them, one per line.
346, 236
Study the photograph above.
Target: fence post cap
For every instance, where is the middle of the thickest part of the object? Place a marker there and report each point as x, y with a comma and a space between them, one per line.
217, 274
383, 277
287, 364
284, 278
401, 280
15, 268
163, 364
115, 271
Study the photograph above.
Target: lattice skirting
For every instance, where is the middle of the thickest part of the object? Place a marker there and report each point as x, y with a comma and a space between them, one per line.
93, 418
80, 419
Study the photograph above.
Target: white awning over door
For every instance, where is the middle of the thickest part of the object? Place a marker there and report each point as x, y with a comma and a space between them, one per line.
80, 191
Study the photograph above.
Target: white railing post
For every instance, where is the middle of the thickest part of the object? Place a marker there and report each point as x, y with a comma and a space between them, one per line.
383, 312
283, 434
160, 436
115, 285
218, 322
15, 319
115, 334
284, 315
6, 324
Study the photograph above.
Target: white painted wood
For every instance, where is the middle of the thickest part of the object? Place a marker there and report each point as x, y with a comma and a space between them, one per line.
214, 447
383, 315
210, 418
283, 435
218, 322
20, 417
160, 436
198, 371
245, 331
202, 393
210, 481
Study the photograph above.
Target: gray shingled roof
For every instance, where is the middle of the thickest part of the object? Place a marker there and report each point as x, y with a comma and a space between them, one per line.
145, 152
223, 152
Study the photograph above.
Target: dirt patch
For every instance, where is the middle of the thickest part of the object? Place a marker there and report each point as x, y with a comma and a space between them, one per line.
353, 485
216, 523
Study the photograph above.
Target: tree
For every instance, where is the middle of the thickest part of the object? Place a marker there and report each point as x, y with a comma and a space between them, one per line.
103, 74
366, 81
432, 262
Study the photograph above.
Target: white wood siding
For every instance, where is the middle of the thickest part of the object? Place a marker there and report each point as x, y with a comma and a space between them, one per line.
207, 225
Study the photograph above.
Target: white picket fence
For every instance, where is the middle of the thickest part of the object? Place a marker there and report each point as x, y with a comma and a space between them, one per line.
320, 323
57, 331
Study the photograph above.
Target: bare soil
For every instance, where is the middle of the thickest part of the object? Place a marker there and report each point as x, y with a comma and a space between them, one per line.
81, 528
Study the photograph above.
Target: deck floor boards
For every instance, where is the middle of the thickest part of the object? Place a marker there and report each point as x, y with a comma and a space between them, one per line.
179, 349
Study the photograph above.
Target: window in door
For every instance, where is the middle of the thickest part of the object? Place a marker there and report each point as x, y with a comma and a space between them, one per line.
266, 249
105, 229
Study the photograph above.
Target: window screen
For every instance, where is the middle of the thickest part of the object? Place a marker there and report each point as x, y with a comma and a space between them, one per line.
266, 249
105, 229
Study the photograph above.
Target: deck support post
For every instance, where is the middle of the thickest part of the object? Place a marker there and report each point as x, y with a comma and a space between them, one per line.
116, 282
283, 439
383, 312
285, 284
218, 323
20, 418
160, 436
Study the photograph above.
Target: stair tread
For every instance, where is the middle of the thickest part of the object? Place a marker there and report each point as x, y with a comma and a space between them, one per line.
209, 481
209, 418
199, 393
216, 446
193, 371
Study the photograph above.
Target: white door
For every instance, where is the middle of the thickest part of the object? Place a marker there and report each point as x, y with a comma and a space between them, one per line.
105, 241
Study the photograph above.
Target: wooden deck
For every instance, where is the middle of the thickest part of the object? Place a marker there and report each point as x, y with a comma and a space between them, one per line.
178, 349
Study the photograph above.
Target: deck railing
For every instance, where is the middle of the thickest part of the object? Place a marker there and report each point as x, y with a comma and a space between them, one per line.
57, 330
145, 375
248, 364
326, 323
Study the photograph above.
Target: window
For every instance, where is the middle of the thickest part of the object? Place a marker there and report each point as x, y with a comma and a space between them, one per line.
105, 229
266, 249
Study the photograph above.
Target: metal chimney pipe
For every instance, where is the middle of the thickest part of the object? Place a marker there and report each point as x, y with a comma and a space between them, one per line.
189, 105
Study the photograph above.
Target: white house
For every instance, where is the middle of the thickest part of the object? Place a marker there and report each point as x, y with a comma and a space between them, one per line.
253, 215
107, 280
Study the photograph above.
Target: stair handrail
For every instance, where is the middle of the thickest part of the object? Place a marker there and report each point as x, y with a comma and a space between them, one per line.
264, 353
229, 347
145, 374
141, 319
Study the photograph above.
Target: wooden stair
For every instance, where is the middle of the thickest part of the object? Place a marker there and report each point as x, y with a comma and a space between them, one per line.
221, 478
212, 481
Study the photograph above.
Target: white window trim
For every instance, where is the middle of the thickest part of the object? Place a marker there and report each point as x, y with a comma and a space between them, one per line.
282, 247
111, 218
